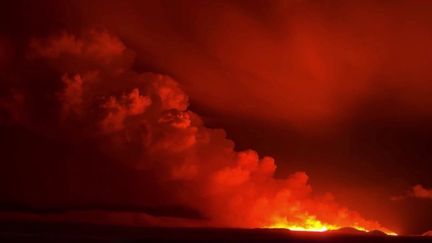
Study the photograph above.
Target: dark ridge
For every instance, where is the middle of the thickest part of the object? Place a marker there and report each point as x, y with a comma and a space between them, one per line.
178, 211
347, 231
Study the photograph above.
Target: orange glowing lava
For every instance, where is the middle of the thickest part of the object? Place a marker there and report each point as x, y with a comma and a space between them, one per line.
309, 224
312, 224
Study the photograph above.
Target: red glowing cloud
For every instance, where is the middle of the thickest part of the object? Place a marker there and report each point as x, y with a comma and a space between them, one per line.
421, 192
142, 122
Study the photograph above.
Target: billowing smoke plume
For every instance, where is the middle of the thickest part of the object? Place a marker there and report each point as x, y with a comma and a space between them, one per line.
139, 123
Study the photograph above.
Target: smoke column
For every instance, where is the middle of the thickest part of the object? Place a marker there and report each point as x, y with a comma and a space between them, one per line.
91, 99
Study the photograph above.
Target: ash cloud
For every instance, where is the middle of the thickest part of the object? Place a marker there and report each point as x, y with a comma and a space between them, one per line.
97, 132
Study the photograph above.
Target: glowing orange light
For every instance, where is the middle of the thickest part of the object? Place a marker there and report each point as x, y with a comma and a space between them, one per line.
311, 224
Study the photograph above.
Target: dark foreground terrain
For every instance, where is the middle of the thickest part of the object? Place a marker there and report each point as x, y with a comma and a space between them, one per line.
61, 232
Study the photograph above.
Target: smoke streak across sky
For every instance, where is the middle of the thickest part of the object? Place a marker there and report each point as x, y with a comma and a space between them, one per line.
337, 89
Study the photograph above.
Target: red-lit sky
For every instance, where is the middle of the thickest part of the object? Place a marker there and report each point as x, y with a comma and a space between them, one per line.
338, 89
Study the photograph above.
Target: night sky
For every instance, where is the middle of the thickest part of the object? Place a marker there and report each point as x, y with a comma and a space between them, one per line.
126, 106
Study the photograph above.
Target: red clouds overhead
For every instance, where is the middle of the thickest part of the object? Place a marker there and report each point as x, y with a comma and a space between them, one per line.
140, 122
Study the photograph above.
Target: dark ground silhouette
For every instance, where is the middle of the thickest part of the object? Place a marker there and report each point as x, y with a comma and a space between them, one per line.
75, 232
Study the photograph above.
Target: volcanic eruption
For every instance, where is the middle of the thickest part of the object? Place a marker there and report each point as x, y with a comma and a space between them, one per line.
114, 119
